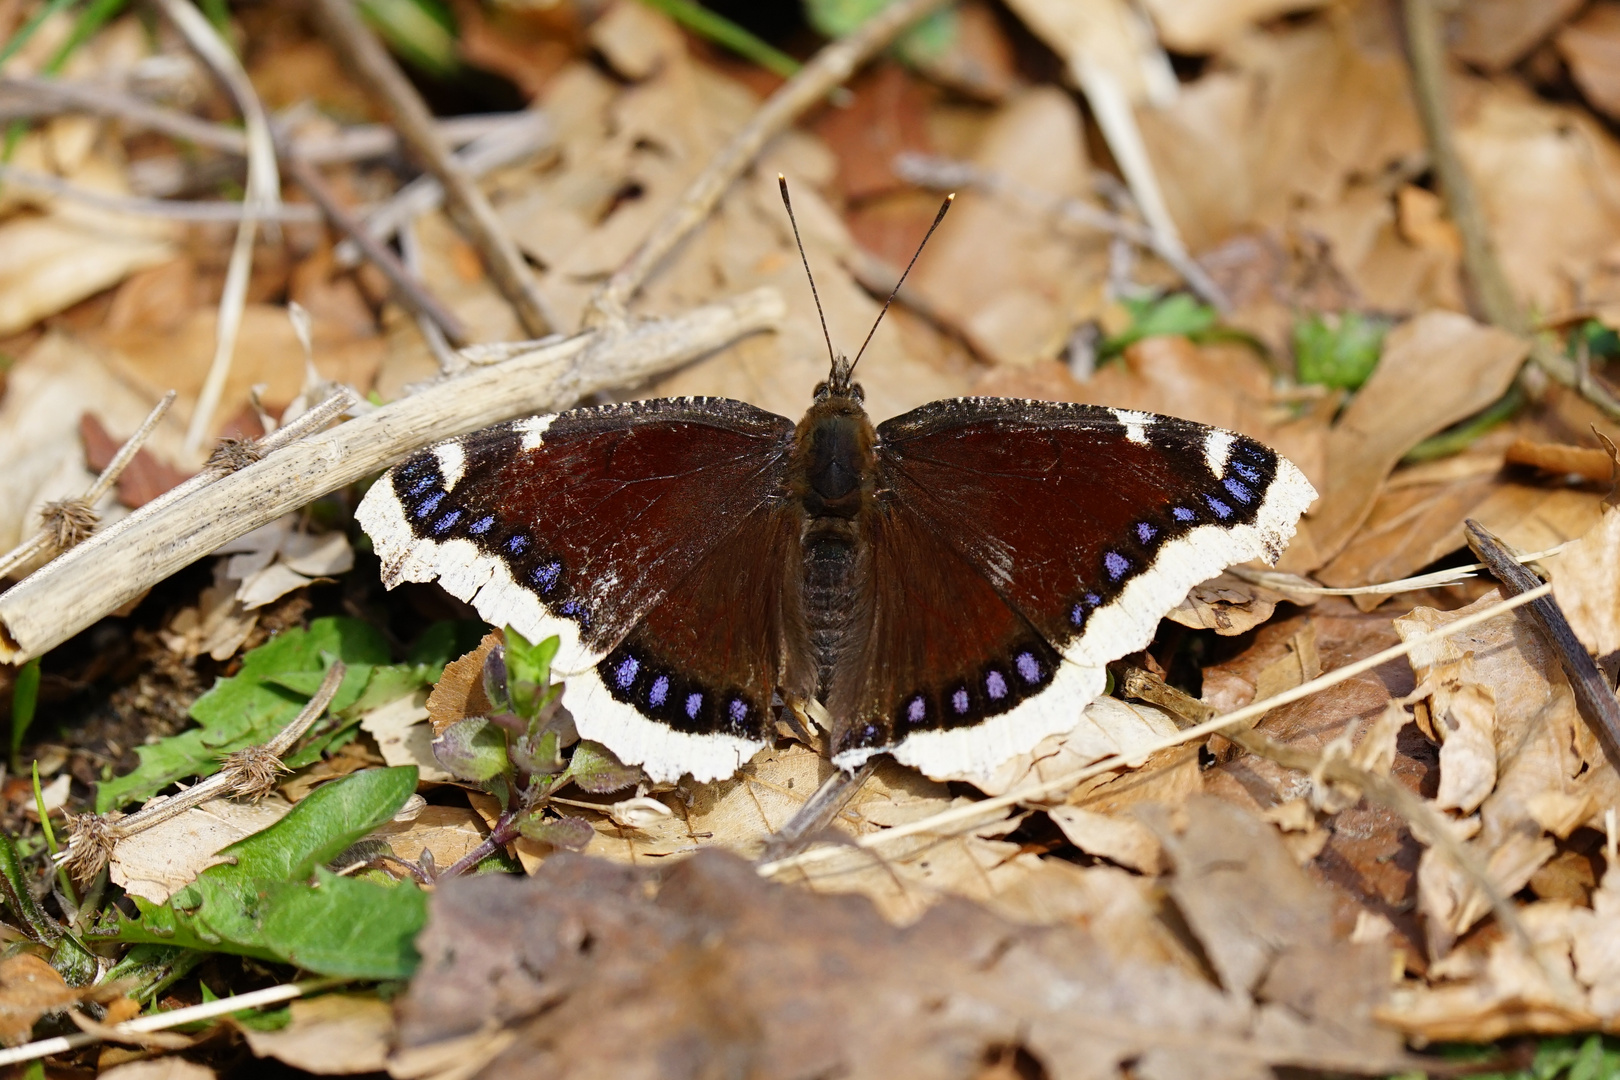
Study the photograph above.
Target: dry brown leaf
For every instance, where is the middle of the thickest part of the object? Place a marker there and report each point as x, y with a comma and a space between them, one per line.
1591, 47
694, 965
1496, 34
1586, 584
1204, 26
1121, 840
1542, 746
29, 988
449, 832
155, 862
1227, 605
41, 455
330, 1035
1009, 279
1546, 180
168, 1067
459, 693
1106, 727
1589, 463
404, 734
53, 260
1462, 713
1436, 369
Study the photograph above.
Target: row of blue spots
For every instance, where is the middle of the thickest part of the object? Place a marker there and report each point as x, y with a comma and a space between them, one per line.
447, 521
429, 504
1239, 492
1181, 513
546, 575
1087, 602
1116, 564
482, 525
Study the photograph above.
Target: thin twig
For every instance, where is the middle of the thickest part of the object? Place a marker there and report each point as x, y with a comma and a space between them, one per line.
825, 71
248, 773
410, 251
263, 193
497, 149
74, 591
1593, 694
270, 995
960, 817
50, 537
411, 293
30, 98
370, 63
168, 209
949, 174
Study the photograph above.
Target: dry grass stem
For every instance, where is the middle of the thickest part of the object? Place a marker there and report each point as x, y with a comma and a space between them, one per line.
525, 134
409, 290
1272, 579
955, 819
372, 65
249, 773
168, 209
826, 70
70, 593
69, 522
946, 174
263, 194
270, 995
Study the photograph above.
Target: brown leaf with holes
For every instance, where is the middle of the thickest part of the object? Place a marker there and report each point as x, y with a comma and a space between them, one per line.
589, 969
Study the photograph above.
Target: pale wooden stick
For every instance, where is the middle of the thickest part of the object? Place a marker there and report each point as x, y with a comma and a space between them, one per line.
43, 540
1288, 583
270, 995
69, 594
960, 817
263, 192
825, 71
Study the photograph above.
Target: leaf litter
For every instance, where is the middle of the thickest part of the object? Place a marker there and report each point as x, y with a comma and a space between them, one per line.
1203, 910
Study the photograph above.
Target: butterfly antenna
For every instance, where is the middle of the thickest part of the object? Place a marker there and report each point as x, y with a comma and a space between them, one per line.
939, 217
781, 181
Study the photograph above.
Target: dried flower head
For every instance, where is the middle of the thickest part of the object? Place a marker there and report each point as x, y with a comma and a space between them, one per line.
253, 771
69, 522
233, 454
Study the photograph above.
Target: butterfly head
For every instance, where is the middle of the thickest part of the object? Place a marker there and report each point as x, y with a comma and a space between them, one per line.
840, 382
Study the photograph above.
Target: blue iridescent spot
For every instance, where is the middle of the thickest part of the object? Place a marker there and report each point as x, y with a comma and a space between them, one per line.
546, 576
694, 702
482, 525
518, 544
1092, 599
916, 709
995, 685
1239, 492
659, 693
448, 521
1116, 565
1078, 615
1029, 668
1220, 508
575, 610
1248, 472
1181, 513
626, 674
1145, 532
738, 708
421, 486
429, 504
959, 702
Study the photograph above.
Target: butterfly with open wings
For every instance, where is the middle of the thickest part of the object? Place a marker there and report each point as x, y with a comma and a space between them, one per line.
948, 584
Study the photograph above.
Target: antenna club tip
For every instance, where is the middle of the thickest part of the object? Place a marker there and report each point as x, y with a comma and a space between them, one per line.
951, 197
781, 178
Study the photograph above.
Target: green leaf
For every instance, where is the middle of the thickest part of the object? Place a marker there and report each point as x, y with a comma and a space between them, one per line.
528, 672
1176, 315
261, 904
24, 697
598, 770
1338, 350
274, 682
421, 31
924, 41
472, 749
568, 833
539, 754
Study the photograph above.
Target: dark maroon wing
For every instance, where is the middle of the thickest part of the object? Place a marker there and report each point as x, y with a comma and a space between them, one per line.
1085, 524
639, 534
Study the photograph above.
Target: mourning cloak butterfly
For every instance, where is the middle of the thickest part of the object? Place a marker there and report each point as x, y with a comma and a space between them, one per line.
949, 583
